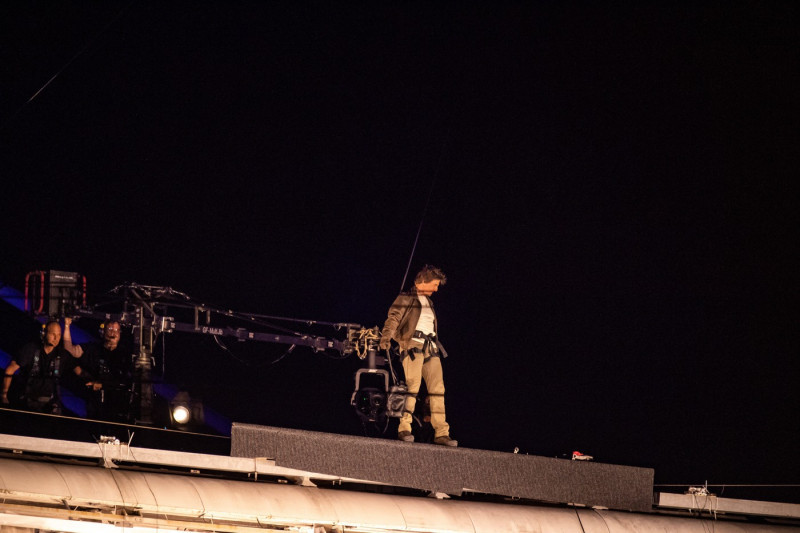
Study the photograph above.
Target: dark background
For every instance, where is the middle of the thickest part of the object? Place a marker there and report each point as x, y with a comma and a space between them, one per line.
607, 188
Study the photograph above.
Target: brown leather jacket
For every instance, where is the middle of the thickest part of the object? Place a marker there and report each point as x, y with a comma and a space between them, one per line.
403, 317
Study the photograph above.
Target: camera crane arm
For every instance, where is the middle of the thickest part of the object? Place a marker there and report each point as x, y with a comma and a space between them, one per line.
317, 343
165, 324
145, 309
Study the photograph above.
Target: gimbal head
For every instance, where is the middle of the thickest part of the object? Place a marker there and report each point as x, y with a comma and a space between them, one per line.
375, 401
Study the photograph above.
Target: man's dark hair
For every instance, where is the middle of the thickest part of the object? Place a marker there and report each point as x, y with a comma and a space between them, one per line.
430, 273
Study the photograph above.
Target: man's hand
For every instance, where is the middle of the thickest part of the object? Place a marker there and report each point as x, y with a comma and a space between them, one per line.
67, 321
94, 385
385, 343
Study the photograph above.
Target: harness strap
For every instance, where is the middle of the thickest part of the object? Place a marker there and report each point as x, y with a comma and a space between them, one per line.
432, 345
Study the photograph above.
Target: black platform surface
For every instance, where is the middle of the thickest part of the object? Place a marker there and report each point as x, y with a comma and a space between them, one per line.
449, 470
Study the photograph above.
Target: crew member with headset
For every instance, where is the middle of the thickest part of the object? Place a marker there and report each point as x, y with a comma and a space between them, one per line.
104, 372
32, 379
411, 322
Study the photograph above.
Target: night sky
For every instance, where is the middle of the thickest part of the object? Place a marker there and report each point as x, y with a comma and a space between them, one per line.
608, 189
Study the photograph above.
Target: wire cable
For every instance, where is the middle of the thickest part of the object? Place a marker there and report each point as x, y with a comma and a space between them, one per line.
68, 63
425, 210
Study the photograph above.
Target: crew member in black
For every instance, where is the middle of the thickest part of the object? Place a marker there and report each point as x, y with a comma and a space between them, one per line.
104, 372
38, 367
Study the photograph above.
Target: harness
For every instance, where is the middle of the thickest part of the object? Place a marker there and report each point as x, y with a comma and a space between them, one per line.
431, 345
44, 372
428, 346
37, 369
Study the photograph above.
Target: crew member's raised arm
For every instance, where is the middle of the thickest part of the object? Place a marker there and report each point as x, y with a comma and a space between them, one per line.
74, 349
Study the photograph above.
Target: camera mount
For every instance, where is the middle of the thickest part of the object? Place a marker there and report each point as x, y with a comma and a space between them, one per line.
374, 404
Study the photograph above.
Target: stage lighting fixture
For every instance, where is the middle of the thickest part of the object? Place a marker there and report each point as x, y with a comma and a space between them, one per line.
181, 414
185, 412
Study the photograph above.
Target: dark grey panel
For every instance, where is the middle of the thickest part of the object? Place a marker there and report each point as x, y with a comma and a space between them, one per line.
449, 470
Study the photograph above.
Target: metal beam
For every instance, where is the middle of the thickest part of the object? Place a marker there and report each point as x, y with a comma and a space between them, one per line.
712, 505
